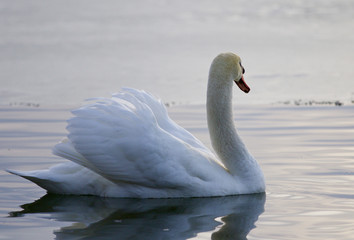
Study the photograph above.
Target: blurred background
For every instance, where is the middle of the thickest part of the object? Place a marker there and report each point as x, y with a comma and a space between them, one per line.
62, 52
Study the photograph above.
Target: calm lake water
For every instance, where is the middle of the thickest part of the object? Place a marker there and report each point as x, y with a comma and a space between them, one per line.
306, 153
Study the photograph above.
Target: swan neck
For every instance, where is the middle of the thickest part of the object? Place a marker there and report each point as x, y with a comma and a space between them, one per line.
224, 138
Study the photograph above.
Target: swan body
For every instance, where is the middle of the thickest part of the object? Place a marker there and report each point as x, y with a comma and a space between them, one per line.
127, 146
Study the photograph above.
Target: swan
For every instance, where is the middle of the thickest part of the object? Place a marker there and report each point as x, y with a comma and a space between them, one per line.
127, 146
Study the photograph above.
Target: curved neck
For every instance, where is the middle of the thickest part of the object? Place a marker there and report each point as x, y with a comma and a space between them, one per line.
224, 138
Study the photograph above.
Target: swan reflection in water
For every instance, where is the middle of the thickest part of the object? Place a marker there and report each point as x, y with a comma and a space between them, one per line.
230, 217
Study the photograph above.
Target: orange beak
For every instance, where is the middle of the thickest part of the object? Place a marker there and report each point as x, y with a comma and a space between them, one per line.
242, 85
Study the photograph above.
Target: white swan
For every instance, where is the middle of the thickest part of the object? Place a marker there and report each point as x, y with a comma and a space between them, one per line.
127, 146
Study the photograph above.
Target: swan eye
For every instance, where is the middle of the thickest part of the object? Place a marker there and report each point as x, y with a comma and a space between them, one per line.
243, 69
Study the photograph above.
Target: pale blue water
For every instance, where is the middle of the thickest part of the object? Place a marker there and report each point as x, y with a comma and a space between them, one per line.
306, 154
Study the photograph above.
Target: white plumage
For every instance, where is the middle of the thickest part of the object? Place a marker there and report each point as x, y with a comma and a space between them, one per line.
127, 146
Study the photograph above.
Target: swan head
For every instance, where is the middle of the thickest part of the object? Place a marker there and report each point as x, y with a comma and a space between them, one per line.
229, 64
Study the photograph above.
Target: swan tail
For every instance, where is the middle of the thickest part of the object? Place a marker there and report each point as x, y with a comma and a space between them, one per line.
39, 178
68, 178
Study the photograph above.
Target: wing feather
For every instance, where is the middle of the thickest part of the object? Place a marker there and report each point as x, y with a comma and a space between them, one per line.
122, 140
160, 112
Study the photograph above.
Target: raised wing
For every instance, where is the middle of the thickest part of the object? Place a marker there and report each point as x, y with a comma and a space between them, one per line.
160, 112
121, 139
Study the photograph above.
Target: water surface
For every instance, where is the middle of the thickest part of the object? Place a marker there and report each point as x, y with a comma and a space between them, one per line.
306, 153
